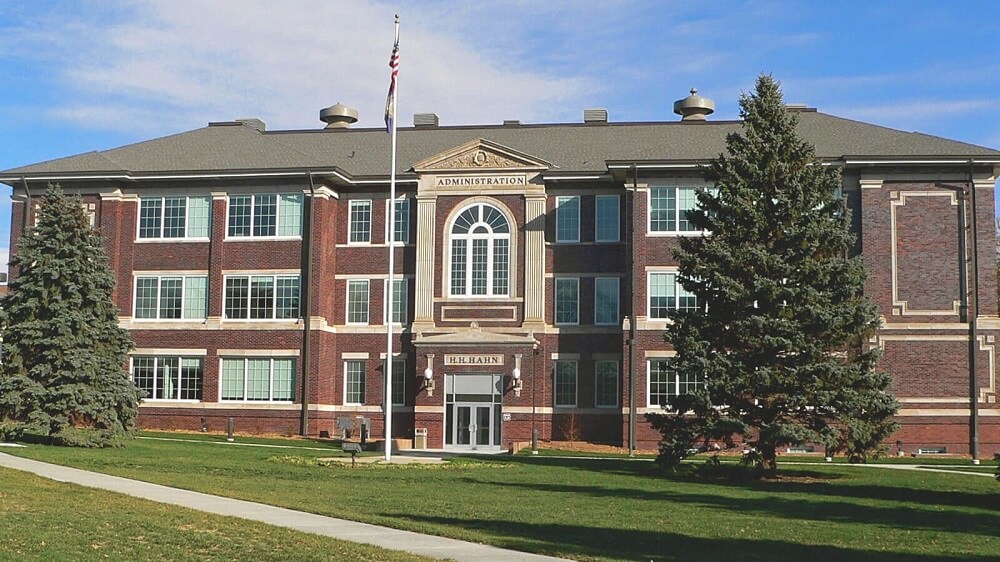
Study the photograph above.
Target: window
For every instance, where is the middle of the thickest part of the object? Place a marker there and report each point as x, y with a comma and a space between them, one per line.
255, 379
607, 219
360, 223
480, 252
402, 221
606, 384
399, 300
354, 381
399, 382
174, 217
666, 293
668, 208
567, 301
168, 378
565, 384
357, 301
665, 382
606, 301
265, 215
170, 297
262, 297
568, 219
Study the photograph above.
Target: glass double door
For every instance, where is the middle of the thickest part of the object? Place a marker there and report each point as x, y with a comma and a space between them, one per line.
474, 425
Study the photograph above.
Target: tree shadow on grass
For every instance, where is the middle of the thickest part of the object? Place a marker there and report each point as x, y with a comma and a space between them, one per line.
827, 486
795, 508
624, 544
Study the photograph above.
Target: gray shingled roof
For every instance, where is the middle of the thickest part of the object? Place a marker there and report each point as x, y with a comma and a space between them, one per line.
233, 147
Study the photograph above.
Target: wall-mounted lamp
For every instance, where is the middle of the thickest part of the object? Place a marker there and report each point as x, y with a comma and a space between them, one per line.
428, 382
515, 377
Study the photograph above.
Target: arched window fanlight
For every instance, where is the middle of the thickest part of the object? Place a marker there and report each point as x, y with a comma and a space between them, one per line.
480, 252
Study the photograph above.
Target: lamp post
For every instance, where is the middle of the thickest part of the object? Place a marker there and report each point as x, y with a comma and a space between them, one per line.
963, 305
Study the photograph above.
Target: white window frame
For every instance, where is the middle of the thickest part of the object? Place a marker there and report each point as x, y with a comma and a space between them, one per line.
274, 298
367, 304
246, 374
160, 276
560, 210
618, 378
405, 202
555, 383
673, 384
649, 293
364, 381
277, 216
491, 238
555, 301
677, 216
350, 221
156, 372
617, 218
187, 220
395, 302
617, 301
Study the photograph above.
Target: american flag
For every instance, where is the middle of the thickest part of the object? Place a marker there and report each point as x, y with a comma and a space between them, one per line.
390, 100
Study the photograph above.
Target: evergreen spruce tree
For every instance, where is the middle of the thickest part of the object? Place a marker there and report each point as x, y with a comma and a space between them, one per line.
780, 336
62, 377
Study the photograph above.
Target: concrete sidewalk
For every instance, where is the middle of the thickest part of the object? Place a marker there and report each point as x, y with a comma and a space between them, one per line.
425, 545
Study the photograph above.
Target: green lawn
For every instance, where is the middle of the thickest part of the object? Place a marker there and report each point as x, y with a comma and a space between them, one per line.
594, 508
42, 519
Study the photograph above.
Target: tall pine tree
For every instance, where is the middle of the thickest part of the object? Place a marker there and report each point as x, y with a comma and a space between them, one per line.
62, 376
780, 336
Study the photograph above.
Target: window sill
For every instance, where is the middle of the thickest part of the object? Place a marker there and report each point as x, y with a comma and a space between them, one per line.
233, 401
172, 240
675, 233
262, 238
165, 320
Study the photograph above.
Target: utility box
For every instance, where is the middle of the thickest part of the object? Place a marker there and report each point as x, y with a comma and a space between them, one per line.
420, 438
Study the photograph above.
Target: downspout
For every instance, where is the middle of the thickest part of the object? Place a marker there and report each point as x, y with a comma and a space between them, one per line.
307, 304
630, 251
974, 329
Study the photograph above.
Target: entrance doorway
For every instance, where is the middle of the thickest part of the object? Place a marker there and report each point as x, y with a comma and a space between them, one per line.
472, 411
473, 424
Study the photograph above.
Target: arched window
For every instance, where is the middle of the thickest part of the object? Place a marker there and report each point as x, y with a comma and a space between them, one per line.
480, 253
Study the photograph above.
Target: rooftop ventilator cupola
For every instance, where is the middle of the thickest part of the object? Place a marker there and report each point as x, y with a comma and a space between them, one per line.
694, 107
338, 116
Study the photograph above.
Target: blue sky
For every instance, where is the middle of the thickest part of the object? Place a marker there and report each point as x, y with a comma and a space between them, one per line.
83, 75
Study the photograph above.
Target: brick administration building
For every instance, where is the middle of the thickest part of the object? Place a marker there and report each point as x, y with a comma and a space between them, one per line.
534, 272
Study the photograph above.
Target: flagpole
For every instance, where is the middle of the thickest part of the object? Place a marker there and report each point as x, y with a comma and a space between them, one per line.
391, 238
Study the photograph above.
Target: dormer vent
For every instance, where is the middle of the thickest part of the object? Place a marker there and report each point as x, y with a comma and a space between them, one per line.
694, 107
597, 115
253, 123
338, 116
425, 120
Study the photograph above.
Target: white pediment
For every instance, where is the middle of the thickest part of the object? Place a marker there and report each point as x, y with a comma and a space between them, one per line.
474, 336
481, 155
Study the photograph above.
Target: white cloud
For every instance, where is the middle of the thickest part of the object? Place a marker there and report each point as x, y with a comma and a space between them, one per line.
4, 258
197, 61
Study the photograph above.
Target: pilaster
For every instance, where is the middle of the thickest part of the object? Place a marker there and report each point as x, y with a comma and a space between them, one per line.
534, 259
426, 244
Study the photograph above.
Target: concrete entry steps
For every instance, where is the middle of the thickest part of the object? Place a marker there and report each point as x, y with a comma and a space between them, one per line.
424, 545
